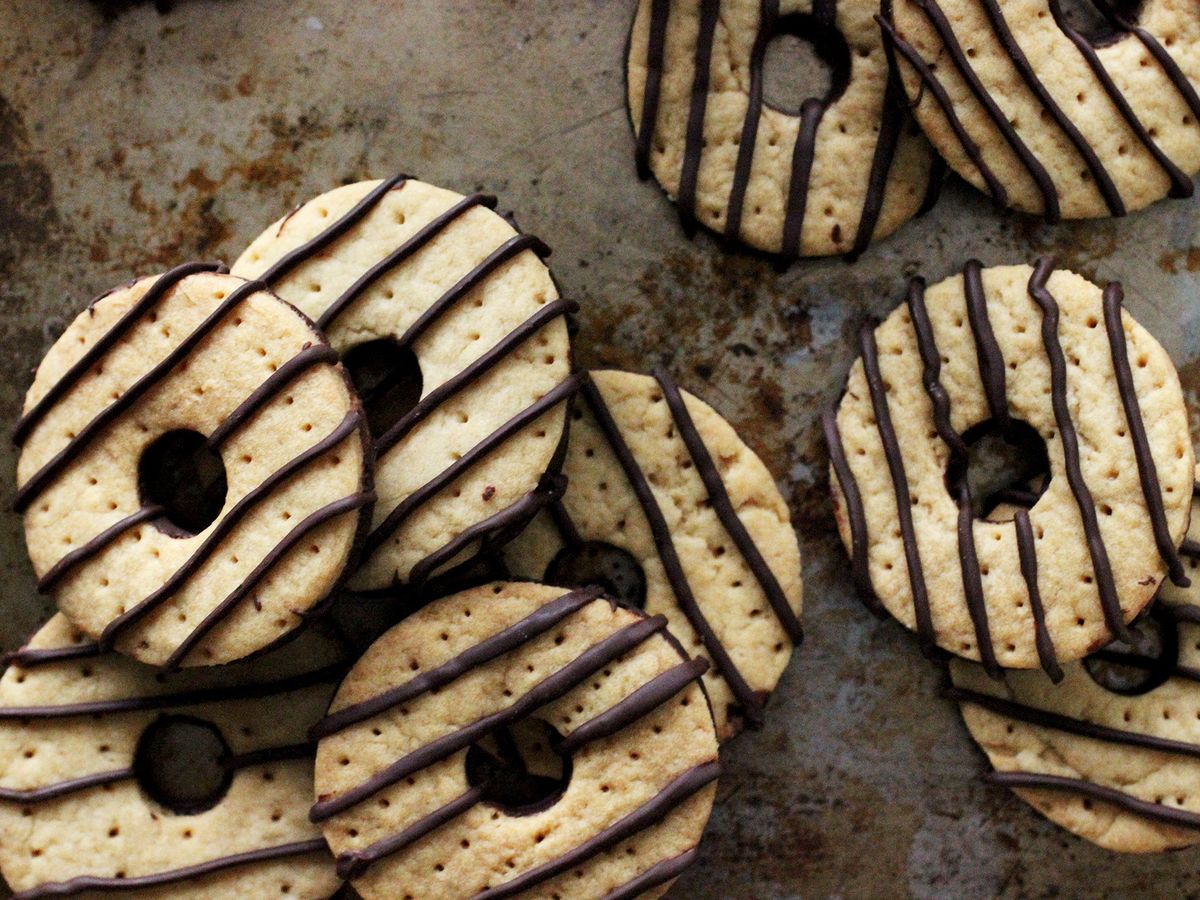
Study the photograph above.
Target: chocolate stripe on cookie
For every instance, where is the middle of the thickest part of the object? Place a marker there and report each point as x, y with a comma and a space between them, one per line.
697, 110
1146, 663
890, 125
768, 14
855, 513
86, 883
973, 581
811, 113
87, 550
350, 424
750, 701
660, 11
655, 876
931, 373
1114, 295
104, 343
718, 496
650, 813
1157, 812
1027, 553
1190, 548
1109, 601
1170, 68
28, 657
991, 360
549, 689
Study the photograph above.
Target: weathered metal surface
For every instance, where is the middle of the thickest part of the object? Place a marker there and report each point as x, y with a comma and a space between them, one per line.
135, 135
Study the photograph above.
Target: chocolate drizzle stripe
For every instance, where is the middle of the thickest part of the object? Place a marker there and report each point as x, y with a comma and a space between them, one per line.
104, 343
64, 788
227, 523
312, 521
655, 876
1170, 68
931, 373
997, 190
293, 258
267, 755
811, 113
768, 13
855, 513
660, 11
95, 545
1146, 663
545, 691
406, 507
197, 697
895, 462
1190, 548
973, 582
648, 814
538, 622
933, 190
645, 699
890, 125
1027, 553
471, 373
41, 479
722, 504
570, 534
1051, 209
991, 360
693, 146
1189, 614
1104, 182
1144, 456
401, 254
85, 883
1109, 601
306, 359
29, 657
1154, 811
354, 864
749, 700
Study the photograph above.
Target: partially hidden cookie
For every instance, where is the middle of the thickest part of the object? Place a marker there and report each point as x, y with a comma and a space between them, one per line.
668, 507
94, 798
424, 290
194, 470
849, 168
999, 351
1049, 119
1112, 753
436, 729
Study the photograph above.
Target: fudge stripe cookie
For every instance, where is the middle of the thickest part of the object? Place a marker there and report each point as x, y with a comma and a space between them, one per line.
397, 790
847, 168
176, 356
962, 358
616, 475
1048, 119
415, 271
122, 826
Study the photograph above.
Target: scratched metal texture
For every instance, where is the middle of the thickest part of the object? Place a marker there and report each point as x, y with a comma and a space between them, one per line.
137, 135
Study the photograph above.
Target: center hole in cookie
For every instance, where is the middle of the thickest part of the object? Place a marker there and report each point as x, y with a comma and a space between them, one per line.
520, 768
804, 60
182, 474
181, 763
603, 565
388, 380
1004, 468
1087, 17
1142, 665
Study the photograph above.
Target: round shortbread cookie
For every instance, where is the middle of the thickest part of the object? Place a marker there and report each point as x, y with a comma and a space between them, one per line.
427, 276
1121, 769
81, 802
998, 350
617, 702
849, 168
151, 376
1050, 120
657, 474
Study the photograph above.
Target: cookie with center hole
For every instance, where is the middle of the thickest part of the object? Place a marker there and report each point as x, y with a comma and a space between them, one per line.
1112, 751
195, 469
1062, 119
456, 336
120, 777
516, 740
669, 510
1005, 352
845, 168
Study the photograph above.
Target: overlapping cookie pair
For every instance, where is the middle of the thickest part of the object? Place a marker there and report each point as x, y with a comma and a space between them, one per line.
1047, 570
206, 458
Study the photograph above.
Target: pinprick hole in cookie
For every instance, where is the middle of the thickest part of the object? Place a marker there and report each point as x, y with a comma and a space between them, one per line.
181, 473
387, 378
1004, 468
520, 767
1086, 17
1142, 665
181, 764
804, 60
601, 564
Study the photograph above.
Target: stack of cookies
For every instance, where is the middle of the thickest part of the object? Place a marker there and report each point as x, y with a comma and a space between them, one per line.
376, 408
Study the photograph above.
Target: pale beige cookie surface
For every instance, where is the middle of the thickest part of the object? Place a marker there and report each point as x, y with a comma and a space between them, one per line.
88, 798
1016, 348
172, 377
1051, 120
424, 279
827, 179
656, 474
1131, 786
409, 806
